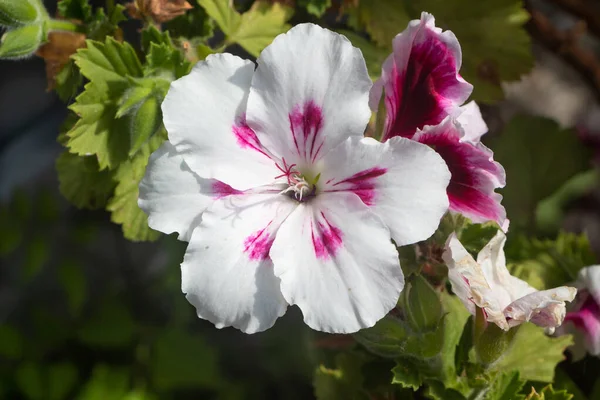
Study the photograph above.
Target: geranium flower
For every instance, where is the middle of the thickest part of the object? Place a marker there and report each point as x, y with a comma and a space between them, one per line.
423, 89
586, 314
505, 300
268, 176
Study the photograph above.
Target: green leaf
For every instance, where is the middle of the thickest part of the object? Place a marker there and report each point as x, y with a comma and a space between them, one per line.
146, 121
548, 393
386, 339
111, 326
106, 383
61, 378
382, 20
132, 98
38, 253
315, 7
421, 304
11, 342
475, 236
506, 386
530, 148
183, 361
22, 41
102, 25
195, 23
123, 205
75, 9
30, 380
533, 354
344, 381
546, 264
82, 182
72, 278
407, 375
20, 12
255, 29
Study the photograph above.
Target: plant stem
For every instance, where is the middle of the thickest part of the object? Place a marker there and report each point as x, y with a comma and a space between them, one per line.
61, 25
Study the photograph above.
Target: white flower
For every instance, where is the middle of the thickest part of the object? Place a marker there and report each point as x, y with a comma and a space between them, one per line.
585, 316
268, 176
506, 300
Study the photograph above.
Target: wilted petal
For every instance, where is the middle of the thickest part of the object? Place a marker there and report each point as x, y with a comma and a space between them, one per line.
173, 196
309, 93
475, 174
227, 273
336, 262
404, 182
420, 79
545, 308
204, 113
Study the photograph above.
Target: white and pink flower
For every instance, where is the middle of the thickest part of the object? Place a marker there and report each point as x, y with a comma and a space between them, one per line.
423, 96
283, 201
585, 317
506, 300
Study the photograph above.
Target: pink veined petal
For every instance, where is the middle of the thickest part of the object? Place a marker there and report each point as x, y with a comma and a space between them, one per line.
227, 273
475, 174
472, 122
336, 262
402, 181
545, 308
173, 196
205, 116
587, 320
420, 78
309, 93
589, 278
469, 283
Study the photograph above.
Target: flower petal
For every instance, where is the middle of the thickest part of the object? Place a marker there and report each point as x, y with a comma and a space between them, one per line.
309, 93
204, 113
475, 174
173, 196
589, 278
545, 308
472, 122
470, 284
587, 320
227, 273
401, 180
336, 262
420, 78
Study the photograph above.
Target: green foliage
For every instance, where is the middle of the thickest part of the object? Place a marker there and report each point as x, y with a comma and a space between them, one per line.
41, 382
533, 354
548, 393
506, 386
19, 12
11, 342
344, 381
38, 253
254, 29
110, 326
106, 383
550, 263
315, 7
21, 41
82, 182
72, 279
75, 9
530, 148
193, 24
382, 20
422, 306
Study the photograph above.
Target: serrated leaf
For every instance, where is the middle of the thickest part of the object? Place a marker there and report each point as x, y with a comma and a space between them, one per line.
75, 9
506, 386
530, 148
82, 182
548, 393
344, 381
195, 23
407, 375
102, 25
253, 30
67, 82
546, 264
123, 205
183, 361
533, 354
21, 41
131, 98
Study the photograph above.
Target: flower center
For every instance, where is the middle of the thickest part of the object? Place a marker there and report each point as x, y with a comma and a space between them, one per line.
298, 185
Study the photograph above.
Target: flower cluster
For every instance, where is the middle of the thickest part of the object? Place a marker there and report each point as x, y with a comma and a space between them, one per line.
268, 176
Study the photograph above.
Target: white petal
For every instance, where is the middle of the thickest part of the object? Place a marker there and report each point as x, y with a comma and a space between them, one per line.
204, 113
309, 93
469, 282
403, 181
589, 278
545, 308
336, 262
227, 273
173, 196
472, 122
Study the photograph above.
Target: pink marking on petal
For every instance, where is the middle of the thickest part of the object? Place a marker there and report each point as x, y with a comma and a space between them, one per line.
221, 189
363, 184
326, 239
587, 318
258, 245
421, 93
246, 138
474, 174
306, 123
